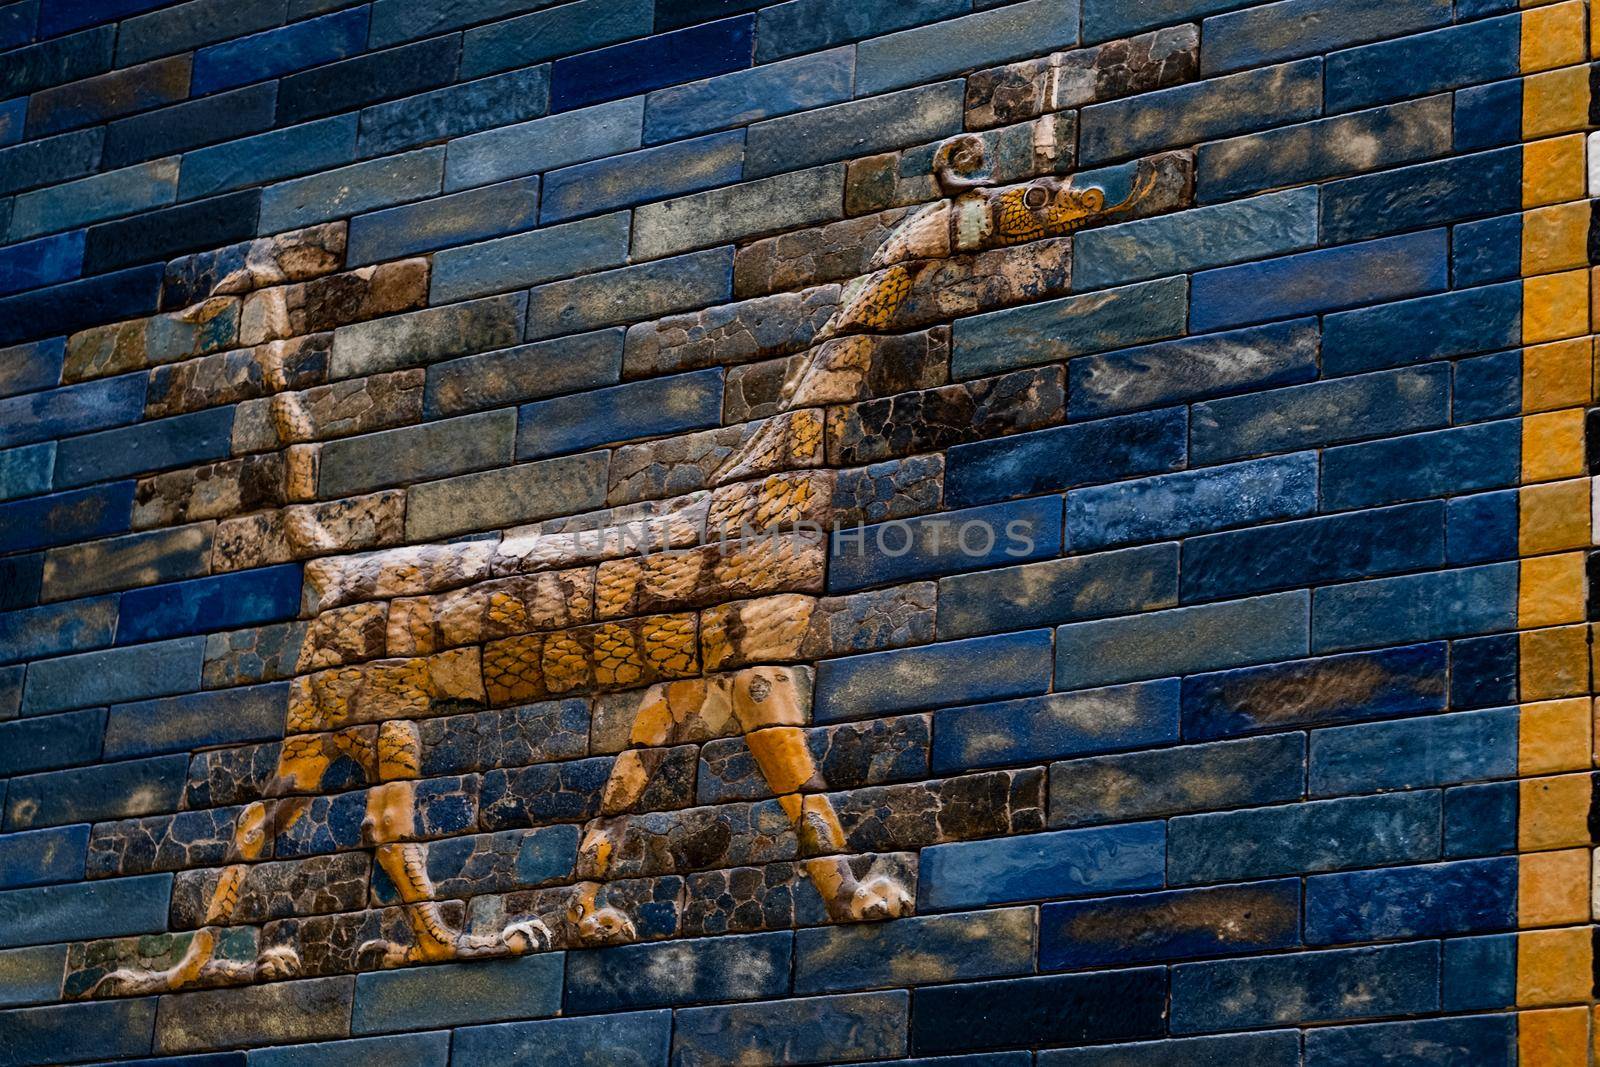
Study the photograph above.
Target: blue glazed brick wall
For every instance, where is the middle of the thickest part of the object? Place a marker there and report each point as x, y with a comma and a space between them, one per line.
1157, 440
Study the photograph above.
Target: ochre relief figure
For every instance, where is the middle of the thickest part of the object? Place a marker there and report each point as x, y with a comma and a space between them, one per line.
335, 713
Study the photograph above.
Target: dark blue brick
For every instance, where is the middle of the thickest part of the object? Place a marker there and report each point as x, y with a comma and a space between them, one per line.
354, 83
181, 723
476, 991
442, 222
50, 630
1278, 1048
65, 309
953, 672
26, 368
21, 581
25, 471
1324, 280
1049, 727
640, 1037
1414, 753
1294, 28
52, 160
928, 948
1426, 194
1063, 863
63, 16
1079, 587
184, 126
71, 1033
1225, 921
1473, 896
11, 680
1484, 671
43, 856
675, 404
109, 96
175, 28
170, 232
1193, 368
745, 96
221, 602
1325, 835
1488, 116
1424, 63
1068, 1009
401, 1050
66, 517
566, 29
798, 26
1431, 327
653, 174
929, 546
114, 674
812, 1030
32, 975
653, 63
1472, 1042
115, 907
65, 59
185, 440
455, 111
1488, 387
267, 157
17, 25
13, 114
1367, 685
1488, 250
1480, 820
46, 261
680, 972
1306, 987
1083, 454
279, 51
675, 14
1483, 528
1479, 973
73, 409
1313, 551
1420, 607
330, 824
1442, 463
565, 364
90, 794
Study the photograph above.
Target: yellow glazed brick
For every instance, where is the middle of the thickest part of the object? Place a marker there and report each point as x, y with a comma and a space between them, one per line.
1554, 812
1553, 888
1553, 171
1553, 517
1553, 662
1553, 736
1556, 238
1552, 446
1555, 967
1556, 101
1556, 375
1551, 590
1555, 306
1556, 1037
1552, 36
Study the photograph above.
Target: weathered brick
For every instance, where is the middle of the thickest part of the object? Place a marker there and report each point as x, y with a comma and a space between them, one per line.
1478, 1039
351, 83
858, 128
180, 441
479, 991
443, 222
1438, 750
1231, 920
643, 409
913, 951
544, 144
270, 156
531, 258
1058, 591
1474, 896
267, 1014
1063, 863
858, 686
953, 45
1420, 607
107, 908
745, 96
1071, 1009
1478, 51
808, 25
31, 975
749, 210
377, 183
407, 1050
279, 51
1297, 28
424, 337
106, 791
214, 491
760, 328
643, 1036
630, 294
646, 976
1276, 1048
652, 63
543, 35
78, 1032
820, 1028
637, 177
56, 628
505, 497
1064, 724
125, 562
179, 723
361, 464
40, 857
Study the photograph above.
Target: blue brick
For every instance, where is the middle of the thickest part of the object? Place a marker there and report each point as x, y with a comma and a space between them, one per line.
118, 192
813, 1030
1479, 972
330, 824
64, 309
269, 157
1306, 987
43, 856
1050, 727
114, 674
1193, 240
1367, 685
951, 46
54, 159
478, 991
90, 794
653, 63
171, 130
953, 672
530, 258
115, 907
874, 124
1226, 921
377, 183
1168, 781
749, 95
408, 1050
1191, 502
109, 96
1421, 607
50, 630
1073, 326
172, 231
47, 261
1413, 753
32, 975
404, 20
1161, 643
1080, 587
1488, 387
1424, 1043
455, 111
1424, 63
365, 79
1431, 327
1484, 671
1295, 28
1385, 403
71, 1033
220, 602
279, 51
138, 559
1480, 820
1326, 280
526, 372
651, 174
43, 521
1063, 863
544, 35
544, 144
12, 115
1066, 1009
1201, 111
1483, 528
1489, 250
182, 27
953, 541
1488, 116
928, 948
50, 742
1313, 551
185, 440
1326, 835
798, 26
1278, 1048
11, 680
679, 972
1473, 896
180, 723
1441, 463
417, 453
1426, 194
640, 1038
56, 62
443, 222
27, 471
674, 404
64, 16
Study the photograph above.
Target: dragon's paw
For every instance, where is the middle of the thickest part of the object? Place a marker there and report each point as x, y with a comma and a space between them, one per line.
527, 935
880, 898
277, 963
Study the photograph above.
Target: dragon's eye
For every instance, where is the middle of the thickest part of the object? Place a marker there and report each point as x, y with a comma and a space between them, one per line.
1036, 197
